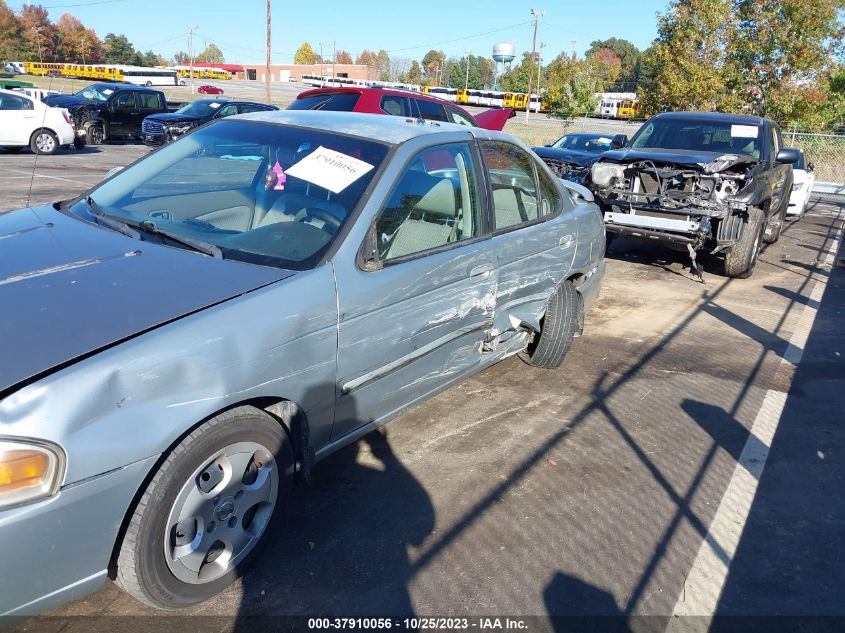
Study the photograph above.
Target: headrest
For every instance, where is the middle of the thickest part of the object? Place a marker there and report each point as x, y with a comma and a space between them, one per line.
440, 200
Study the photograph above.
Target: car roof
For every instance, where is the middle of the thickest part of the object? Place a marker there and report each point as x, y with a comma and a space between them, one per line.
374, 90
387, 129
118, 86
15, 92
720, 117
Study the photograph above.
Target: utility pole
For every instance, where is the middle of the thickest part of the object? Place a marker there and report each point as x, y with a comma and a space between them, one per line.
82, 44
334, 58
539, 72
38, 40
466, 81
536, 15
574, 42
191, 54
321, 64
267, 76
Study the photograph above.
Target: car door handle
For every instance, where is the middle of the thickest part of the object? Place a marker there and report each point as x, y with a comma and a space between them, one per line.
565, 242
480, 272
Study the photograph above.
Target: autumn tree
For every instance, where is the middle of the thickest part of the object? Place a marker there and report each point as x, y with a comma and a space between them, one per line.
39, 34
607, 66
366, 58
305, 55
629, 56
211, 55
75, 43
343, 57
10, 33
432, 63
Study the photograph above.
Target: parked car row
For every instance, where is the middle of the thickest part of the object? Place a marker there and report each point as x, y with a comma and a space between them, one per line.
721, 183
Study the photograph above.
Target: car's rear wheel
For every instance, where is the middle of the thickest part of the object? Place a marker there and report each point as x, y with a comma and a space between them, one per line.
44, 142
207, 510
558, 328
95, 135
740, 261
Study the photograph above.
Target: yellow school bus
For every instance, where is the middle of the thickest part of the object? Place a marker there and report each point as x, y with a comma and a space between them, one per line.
628, 109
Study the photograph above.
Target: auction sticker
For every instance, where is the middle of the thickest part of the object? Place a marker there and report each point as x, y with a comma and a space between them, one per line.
744, 131
329, 169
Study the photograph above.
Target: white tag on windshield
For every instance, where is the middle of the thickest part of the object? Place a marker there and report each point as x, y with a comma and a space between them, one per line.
214, 105
744, 131
329, 169
107, 91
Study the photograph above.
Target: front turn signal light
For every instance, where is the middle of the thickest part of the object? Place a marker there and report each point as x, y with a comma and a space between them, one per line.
28, 471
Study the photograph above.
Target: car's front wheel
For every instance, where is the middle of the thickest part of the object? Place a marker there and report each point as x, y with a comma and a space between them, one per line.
742, 258
95, 134
207, 510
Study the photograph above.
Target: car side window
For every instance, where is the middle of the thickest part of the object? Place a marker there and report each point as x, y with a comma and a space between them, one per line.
550, 198
435, 203
14, 102
461, 118
125, 101
228, 110
512, 178
431, 110
395, 105
248, 107
148, 101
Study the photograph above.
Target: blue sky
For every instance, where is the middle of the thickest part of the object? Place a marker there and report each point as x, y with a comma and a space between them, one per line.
404, 29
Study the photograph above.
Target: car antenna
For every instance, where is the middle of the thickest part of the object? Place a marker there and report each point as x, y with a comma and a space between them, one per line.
35, 162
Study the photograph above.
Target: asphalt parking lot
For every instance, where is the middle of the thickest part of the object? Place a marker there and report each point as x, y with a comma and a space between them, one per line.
687, 459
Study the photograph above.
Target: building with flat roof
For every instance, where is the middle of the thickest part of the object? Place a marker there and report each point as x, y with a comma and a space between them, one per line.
295, 72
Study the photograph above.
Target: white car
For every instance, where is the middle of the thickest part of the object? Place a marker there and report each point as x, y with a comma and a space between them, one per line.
26, 122
802, 186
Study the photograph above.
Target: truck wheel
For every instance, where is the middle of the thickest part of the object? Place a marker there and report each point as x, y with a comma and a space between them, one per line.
557, 329
739, 263
44, 142
95, 135
207, 510
775, 225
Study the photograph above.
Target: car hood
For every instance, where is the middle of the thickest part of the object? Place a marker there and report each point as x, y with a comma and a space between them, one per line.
584, 159
70, 288
678, 157
171, 117
69, 101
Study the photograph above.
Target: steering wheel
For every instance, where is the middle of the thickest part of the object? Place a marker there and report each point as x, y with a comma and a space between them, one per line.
318, 214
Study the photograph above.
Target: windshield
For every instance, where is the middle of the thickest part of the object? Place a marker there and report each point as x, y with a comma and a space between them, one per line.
699, 136
262, 193
96, 92
595, 144
200, 108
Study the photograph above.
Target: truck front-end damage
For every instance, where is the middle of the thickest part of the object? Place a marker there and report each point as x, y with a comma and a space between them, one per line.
693, 205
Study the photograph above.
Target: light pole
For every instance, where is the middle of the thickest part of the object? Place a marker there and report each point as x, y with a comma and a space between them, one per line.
82, 44
539, 72
38, 41
191, 54
466, 80
321, 64
267, 76
536, 15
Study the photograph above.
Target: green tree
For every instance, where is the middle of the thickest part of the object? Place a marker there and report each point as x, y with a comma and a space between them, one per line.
414, 74
383, 65
305, 55
689, 58
211, 55
117, 49
629, 56
516, 78
480, 73
432, 63
571, 86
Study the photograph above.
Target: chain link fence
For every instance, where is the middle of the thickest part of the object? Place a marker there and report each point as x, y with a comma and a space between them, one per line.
825, 151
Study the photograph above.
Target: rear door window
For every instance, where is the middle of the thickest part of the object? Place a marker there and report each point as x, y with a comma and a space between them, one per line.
396, 105
514, 184
331, 102
125, 101
148, 101
431, 110
460, 118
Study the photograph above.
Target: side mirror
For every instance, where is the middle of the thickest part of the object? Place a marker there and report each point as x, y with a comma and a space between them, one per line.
787, 155
619, 141
579, 191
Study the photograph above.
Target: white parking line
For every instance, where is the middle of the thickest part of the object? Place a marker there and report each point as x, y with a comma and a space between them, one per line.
29, 175
706, 578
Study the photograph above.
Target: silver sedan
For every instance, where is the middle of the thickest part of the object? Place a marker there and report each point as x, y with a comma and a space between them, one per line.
192, 334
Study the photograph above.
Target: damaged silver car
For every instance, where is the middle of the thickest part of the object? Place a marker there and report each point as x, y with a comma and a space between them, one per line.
698, 180
194, 333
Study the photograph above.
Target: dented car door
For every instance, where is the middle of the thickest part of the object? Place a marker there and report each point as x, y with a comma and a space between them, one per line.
413, 317
535, 237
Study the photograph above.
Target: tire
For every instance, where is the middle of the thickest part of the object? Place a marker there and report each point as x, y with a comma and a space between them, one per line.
44, 142
770, 237
557, 329
95, 134
191, 503
740, 261
13, 149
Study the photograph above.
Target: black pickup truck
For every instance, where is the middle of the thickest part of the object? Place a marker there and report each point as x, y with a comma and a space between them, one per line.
108, 111
698, 180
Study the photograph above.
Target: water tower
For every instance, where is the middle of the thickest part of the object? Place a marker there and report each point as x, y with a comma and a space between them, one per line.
504, 53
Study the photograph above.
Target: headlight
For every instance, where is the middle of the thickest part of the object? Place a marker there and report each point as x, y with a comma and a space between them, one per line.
603, 174
29, 470
180, 129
